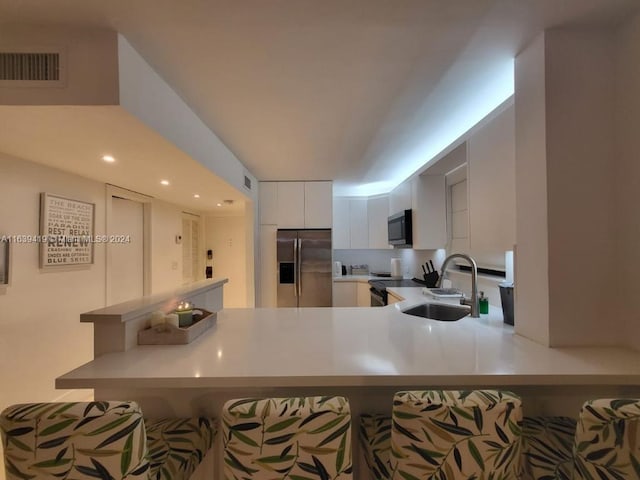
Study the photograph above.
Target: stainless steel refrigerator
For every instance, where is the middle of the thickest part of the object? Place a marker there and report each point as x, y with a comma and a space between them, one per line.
304, 268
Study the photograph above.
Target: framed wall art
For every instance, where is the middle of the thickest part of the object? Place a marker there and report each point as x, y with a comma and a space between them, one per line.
66, 230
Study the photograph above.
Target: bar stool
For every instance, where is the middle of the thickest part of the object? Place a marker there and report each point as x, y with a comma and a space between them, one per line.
74, 440
548, 447
607, 441
178, 445
275, 438
100, 440
448, 434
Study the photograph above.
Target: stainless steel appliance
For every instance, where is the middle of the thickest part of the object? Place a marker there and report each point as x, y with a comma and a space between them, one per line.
400, 229
304, 268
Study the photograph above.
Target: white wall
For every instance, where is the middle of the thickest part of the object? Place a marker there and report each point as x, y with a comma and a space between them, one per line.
532, 305
147, 96
227, 237
627, 181
88, 82
580, 146
40, 332
166, 254
564, 182
41, 336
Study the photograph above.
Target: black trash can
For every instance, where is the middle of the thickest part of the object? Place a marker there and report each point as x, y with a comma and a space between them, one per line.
506, 296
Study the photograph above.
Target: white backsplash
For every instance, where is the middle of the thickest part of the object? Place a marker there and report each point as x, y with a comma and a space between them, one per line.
380, 261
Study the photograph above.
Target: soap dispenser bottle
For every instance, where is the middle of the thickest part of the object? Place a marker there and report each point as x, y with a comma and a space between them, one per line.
483, 303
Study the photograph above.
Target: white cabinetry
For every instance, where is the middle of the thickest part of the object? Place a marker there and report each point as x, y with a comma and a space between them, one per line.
358, 223
344, 294
268, 294
296, 204
287, 205
400, 198
429, 212
318, 198
492, 215
363, 295
290, 205
378, 214
351, 294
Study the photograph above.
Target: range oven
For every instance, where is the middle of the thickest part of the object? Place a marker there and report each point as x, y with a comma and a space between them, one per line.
378, 289
378, 298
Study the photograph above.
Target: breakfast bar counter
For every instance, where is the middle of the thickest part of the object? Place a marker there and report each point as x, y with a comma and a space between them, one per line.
365, 354
356, 347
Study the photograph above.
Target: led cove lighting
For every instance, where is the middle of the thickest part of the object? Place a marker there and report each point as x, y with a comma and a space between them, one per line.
164, 182
108, 158
477, 97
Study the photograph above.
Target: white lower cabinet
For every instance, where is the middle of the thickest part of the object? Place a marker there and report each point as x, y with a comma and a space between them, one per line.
363, 296
344, 294
351, 294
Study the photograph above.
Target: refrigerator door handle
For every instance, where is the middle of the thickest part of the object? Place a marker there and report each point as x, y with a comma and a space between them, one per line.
295, 267
299, 260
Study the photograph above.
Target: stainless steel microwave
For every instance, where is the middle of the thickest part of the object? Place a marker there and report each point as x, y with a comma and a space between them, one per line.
400, 230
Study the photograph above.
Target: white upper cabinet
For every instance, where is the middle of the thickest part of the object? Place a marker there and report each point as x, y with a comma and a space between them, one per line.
378, 214
400, 198
296, 204
429, 212
492, 215
358, 223
318, 197
290, 204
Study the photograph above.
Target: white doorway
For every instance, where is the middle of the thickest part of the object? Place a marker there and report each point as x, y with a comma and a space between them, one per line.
192, 267
127, 245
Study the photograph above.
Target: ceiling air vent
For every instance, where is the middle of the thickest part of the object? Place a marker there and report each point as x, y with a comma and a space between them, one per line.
31, 68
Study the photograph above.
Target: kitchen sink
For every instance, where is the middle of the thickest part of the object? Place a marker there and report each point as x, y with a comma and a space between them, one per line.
438, 311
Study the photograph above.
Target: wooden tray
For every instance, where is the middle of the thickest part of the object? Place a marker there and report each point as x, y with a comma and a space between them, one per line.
169, 335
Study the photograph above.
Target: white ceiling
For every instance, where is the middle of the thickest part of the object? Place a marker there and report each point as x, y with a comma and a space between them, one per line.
355, 91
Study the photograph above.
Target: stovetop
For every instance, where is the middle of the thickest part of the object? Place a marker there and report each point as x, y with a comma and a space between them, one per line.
382, 284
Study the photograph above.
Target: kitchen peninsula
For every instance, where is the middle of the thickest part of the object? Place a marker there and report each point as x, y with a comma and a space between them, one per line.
365, 354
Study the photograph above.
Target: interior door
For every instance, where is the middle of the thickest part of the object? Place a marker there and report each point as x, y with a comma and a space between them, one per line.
316, 280
127, 257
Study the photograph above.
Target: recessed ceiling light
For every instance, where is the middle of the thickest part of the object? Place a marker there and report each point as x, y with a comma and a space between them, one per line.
108, 158
195, 195
164, 182
219, 204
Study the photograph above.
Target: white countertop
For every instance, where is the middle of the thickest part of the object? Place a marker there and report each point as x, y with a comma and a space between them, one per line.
381, 346
122, 312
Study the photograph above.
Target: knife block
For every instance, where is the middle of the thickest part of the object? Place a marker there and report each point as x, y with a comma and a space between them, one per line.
431, 278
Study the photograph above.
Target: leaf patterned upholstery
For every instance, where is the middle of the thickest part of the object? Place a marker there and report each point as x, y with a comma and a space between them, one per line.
294, 438
178, 445
456, 435
375, 440
74, 440
607, 441
548, 447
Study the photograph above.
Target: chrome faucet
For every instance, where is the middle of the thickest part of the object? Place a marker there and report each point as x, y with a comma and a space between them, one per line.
473, 302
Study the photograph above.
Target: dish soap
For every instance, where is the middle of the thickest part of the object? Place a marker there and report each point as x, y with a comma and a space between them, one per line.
483, 303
